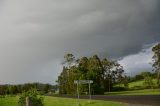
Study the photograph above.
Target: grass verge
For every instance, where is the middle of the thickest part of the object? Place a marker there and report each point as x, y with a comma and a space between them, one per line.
55, 101
136, 92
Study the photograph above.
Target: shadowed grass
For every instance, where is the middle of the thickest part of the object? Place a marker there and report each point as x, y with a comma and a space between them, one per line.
49, 101
136, 92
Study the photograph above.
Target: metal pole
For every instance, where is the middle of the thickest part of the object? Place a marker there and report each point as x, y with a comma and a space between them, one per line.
78, 92
89, 92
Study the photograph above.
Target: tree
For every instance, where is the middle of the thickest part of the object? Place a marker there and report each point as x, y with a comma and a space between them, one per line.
95, 71
147, 79
107, 73
139, 77
13, 89
46, 88
125, 81
148, 82
69, 60
3, 89
156, 60
104, 74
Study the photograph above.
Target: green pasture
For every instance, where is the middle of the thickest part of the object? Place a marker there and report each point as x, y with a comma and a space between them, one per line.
9, 101
138, 85
137, 88
54, 101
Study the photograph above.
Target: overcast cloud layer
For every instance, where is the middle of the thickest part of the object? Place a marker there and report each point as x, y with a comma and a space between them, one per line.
35, 34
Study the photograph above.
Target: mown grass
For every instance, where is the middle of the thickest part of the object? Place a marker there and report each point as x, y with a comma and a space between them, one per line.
55, 101
136, 92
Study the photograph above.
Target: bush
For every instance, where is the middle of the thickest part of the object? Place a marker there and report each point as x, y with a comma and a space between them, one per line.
138, 88
98, 91
139, 77
33, 95
148, 83
118, 89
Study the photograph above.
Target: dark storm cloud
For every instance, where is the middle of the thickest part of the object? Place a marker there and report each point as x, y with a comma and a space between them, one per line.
35, 34
114, 27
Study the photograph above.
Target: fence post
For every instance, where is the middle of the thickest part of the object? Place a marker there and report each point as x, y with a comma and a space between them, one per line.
28, 101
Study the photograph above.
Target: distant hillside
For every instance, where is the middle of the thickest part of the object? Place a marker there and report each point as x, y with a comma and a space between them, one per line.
135, 85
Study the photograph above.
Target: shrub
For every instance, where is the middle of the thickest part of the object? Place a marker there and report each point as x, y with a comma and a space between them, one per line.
148, 83
98, 91
33, 95
118, 89
138, 88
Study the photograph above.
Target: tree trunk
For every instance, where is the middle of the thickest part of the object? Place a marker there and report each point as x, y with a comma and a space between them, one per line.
158, 78
109, 86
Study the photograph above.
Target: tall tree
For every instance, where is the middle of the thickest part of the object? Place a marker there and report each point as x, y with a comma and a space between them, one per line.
107, 73
112, 73
104, 74
156, 59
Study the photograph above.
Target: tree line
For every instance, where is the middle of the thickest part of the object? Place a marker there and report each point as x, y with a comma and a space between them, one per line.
103, 72
16, 89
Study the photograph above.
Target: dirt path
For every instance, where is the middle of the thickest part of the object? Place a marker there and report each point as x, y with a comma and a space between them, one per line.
140, 100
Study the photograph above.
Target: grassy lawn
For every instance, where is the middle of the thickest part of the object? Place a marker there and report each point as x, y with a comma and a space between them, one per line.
136, 92
54, 101
9, 101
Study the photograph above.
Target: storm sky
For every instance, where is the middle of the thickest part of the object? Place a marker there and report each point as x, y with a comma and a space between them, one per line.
35, 35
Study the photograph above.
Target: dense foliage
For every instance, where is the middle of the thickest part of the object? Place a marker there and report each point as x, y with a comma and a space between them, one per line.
15, 89
141, 76
32, 94
156, 59
104, 74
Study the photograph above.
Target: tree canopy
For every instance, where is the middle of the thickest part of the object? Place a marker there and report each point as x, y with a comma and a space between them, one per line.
156, 59
103, 72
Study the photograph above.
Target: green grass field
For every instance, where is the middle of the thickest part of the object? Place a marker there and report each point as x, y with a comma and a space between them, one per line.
139, 83
9, 101
133, 86
54, 101
136, 92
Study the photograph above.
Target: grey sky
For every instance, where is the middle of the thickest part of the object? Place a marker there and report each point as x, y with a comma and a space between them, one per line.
136, 63
35, 34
